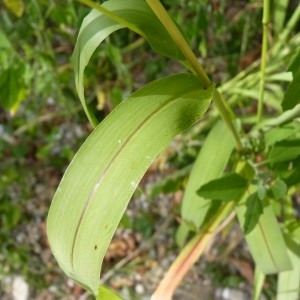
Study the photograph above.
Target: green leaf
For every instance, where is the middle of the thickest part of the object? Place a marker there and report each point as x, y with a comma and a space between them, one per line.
288, 286
295, 63
279, 189
278, 134
96, 26
259, 279
292, 94
230, 187
106, 294
12, 90
286, 150
4, 41
254, 210
209, 165
15, 6
98, 184
261, 190
181, 234
265, 240
284, 76
279, 11
293, 176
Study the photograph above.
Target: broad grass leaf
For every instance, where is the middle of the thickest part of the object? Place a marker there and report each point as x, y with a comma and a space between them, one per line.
288, 286
97, 26
98, 184
210, 164
230, 187
265, 240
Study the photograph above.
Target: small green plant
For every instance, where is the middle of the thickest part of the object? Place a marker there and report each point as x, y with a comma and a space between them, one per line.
248, 165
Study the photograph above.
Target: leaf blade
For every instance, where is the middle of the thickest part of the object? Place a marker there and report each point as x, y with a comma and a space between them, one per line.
263, 238
253, 212
209, 164
288, 285
292, 95
119, 150
97, 26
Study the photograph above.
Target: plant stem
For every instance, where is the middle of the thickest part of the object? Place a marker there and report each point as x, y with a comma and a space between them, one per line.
265, 22
223, 109
166, 20
226, 114
190, 254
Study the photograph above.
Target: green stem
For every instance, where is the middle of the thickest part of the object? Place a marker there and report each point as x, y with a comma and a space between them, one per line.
166, 20
190, 254
265, 22
225, 112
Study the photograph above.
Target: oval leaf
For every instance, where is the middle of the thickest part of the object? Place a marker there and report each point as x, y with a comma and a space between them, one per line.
103, 175
254, 211
97, 26
230, 187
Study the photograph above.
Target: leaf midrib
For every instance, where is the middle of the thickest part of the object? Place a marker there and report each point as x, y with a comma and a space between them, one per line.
110, 164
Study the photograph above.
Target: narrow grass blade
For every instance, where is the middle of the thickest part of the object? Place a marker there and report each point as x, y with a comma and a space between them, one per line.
259, 279
103, 175
210, 164
279, 14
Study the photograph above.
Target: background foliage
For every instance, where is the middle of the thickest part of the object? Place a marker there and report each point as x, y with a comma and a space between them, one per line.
42, 123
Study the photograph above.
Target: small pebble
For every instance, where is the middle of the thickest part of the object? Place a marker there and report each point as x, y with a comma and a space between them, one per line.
20, 289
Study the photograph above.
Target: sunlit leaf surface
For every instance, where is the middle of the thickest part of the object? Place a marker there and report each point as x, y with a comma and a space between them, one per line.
102, 177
